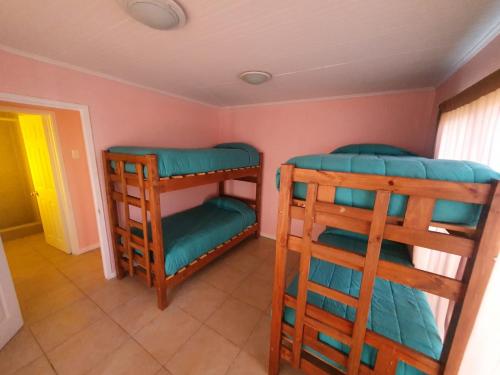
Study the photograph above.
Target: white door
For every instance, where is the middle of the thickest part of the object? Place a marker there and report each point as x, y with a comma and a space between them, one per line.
10, 313
37, 151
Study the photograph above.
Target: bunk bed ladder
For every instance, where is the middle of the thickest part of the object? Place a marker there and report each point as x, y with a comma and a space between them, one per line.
132, 251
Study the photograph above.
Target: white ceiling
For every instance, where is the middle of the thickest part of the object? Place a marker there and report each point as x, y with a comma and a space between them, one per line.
314, 48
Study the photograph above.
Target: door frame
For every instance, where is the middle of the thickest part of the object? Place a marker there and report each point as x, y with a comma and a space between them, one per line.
59, 174
92, 160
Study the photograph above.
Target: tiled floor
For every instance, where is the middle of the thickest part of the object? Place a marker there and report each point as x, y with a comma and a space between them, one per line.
79, 323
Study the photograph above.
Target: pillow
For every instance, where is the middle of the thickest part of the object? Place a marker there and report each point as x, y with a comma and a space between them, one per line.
372, 148
229, 204
253, 154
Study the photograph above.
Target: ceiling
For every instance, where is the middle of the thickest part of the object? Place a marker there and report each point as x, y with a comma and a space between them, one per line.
314, 48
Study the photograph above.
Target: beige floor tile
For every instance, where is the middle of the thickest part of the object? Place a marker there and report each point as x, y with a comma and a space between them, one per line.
163, 371
223, 277
256, 291
87, 348
241, 261
21, 350
56, 328
128, 359
245, 364
26, 267
198, 299
258, 342
205, 353
90, 282
235, 320
136, 313
117, 292
40, 366
262, 248
165, 334
43, 305
287, 369
40, 284
80, 264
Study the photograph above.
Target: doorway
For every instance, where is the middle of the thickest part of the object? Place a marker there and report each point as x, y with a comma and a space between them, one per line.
34, 197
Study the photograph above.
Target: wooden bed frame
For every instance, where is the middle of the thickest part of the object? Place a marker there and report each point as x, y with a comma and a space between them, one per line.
146, 198
479, 245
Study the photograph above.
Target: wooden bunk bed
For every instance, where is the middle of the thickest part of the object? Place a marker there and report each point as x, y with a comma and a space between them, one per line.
144, 255
300, 343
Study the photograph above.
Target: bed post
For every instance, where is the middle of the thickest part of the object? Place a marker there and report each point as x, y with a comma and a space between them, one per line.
112, 212
283, 230
156, 231
258, 195
476, 277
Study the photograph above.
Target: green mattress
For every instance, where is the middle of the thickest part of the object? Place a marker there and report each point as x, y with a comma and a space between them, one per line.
179, 161
189, 234
355, 160
398, 312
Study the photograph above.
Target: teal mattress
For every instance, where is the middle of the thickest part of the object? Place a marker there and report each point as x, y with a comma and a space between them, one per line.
403, 165
398, 312
179, 161
189, 234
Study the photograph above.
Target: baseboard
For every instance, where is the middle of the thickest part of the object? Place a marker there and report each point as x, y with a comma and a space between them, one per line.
84, 249
21, 231
267, 235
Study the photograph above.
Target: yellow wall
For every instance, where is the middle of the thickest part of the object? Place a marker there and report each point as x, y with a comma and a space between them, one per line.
16, 205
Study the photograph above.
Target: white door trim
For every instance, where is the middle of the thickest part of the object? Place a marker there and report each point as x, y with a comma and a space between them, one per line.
106, 252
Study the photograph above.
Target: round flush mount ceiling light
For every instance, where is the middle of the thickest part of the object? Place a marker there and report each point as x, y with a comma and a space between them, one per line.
255, 77
158, 14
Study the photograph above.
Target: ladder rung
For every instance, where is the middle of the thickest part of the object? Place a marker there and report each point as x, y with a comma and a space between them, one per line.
332, 294
135, 224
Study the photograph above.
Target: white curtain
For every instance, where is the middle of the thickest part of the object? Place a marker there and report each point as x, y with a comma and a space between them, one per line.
471, 132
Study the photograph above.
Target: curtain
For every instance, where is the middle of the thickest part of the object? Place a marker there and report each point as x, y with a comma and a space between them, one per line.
470, 132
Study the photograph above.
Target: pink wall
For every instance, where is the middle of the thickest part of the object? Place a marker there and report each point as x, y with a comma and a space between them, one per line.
120, 114
282, 131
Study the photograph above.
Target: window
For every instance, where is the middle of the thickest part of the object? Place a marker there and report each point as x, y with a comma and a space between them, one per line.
469, 129
472, 132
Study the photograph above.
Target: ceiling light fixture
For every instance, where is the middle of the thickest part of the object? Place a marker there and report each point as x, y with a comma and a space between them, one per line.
255, 77
158, 14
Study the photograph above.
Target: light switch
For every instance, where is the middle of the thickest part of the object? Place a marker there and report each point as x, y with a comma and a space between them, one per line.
75, 154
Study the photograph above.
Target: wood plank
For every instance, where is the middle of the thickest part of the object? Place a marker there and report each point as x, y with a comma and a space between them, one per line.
144, 225
326, 193
368, 280
419, 212
126, 215
439, 285
184, 182
283, 229
113, 214
305, 262
133, 201
431, 240
258, 193
329, 253
406, 354
477, 276
387, 361
437, 189
424, 238
427, 281
332, 294
156, 232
